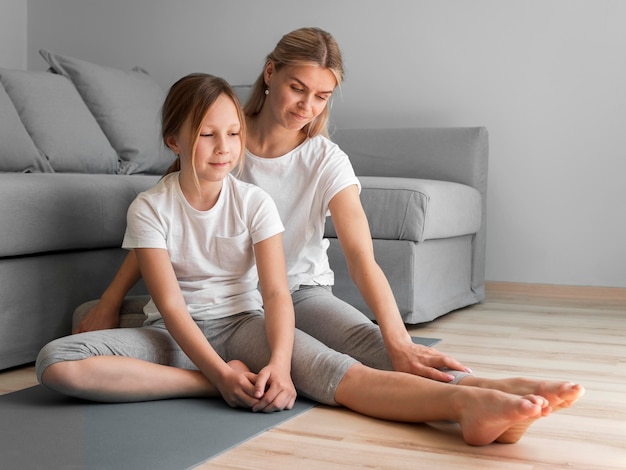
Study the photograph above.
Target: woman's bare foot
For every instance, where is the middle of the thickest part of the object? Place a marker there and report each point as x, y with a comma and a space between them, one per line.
487, 420
559, 395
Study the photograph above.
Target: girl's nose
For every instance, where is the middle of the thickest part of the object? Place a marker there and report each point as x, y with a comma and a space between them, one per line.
220, 145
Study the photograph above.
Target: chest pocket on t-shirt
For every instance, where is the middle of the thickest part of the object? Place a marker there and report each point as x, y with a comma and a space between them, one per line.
235, 254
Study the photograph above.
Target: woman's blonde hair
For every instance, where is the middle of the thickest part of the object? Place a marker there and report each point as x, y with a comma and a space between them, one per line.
303, 46
190, 98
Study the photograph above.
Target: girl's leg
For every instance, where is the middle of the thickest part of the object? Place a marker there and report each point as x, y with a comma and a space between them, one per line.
128, 364
484, 415
124, 379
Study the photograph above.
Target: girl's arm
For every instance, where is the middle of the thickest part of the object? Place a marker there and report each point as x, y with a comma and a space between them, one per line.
274, 386
234, 386
106, 313
356, 242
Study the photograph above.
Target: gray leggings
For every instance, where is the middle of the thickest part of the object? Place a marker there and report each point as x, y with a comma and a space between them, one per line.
331, 336
343, 328
316, 369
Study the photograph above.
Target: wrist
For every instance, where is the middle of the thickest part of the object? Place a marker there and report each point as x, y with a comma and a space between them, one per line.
112, 301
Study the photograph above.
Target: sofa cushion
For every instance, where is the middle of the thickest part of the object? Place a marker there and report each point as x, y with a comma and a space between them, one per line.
44, 212
416, 209
127, 106
18, 151
59, 122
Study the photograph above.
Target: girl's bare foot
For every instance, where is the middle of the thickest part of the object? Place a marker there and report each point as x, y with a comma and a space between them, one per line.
487, 420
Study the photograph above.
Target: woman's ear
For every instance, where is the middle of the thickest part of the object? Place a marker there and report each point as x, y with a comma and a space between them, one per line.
267, 72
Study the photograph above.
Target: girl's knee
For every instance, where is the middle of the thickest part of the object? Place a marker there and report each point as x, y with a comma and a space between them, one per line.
61, 376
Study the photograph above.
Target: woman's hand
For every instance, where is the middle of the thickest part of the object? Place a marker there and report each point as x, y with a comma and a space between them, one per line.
274, 390
100, 317
424, 361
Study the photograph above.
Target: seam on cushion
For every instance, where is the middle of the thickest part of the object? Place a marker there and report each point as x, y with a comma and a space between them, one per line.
413, 195
404, 221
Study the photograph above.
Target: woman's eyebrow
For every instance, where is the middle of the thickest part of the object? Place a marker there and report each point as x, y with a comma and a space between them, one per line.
304, 85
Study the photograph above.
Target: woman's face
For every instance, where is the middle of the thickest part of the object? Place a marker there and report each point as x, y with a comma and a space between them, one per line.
298, 94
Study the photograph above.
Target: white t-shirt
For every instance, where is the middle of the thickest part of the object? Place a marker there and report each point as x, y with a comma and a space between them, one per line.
211, 251
302, 183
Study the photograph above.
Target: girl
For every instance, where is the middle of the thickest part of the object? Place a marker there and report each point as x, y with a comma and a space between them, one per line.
193, 235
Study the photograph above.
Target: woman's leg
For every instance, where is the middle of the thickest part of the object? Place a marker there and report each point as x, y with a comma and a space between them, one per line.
484, 415
333, 378
128, 364
344, 328
340, 326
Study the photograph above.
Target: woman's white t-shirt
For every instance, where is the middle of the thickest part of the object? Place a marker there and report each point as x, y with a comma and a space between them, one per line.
211, 251
302, 183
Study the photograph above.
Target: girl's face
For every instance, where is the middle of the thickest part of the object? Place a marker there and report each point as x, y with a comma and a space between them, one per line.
298, 94
219, 143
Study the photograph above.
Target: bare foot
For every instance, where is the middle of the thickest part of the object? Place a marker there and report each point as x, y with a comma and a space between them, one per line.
486, 420
559, 395
238, 365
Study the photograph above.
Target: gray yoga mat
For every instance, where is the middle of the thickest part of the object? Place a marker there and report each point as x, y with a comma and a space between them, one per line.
42, 429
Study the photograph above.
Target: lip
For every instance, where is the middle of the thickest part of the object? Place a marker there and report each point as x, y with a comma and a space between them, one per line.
299, 117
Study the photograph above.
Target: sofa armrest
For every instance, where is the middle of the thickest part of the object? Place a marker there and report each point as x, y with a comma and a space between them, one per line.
456, 154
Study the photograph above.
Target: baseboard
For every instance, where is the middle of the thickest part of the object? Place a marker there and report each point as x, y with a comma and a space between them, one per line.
612, 296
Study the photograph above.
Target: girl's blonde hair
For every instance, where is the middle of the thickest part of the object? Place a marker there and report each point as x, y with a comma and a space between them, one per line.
190, 98
303, 46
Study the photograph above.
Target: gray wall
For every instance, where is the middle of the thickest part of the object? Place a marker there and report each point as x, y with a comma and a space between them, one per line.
546, 77
13, 28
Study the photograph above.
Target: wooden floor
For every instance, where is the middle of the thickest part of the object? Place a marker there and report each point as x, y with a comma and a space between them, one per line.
551, 332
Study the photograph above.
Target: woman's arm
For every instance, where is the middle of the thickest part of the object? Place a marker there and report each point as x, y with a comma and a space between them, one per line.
106, 313
356, 242
274, 386
234, 386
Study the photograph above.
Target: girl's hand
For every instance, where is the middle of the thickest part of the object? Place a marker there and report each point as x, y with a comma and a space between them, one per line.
237, 386
274, 390
424, 361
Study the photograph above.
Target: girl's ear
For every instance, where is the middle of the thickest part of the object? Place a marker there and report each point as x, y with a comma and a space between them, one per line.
171, 143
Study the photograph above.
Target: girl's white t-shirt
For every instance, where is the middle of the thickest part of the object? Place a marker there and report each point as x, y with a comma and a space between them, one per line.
302, 183
211, 251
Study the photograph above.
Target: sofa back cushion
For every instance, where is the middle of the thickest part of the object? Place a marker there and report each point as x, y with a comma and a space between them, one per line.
17, 152
59, 122
127, 106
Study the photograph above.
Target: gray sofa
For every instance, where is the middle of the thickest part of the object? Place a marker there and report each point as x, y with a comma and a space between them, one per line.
79, 144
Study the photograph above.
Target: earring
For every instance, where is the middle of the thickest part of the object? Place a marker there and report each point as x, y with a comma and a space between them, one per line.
267, 91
